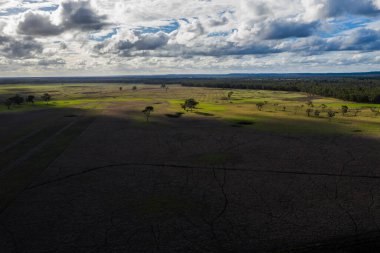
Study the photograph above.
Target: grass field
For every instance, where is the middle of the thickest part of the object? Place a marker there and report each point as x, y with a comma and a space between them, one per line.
282, 112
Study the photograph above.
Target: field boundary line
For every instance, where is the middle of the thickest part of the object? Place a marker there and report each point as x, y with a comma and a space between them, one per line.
275, 172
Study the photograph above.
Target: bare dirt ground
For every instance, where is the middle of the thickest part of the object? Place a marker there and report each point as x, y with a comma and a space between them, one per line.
191, 185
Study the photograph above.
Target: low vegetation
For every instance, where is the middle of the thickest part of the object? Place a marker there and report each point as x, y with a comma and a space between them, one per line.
264, 109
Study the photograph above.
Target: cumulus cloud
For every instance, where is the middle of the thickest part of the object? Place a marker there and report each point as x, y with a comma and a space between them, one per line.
72, 16
225, 34
26, 47
39, 25
80, 15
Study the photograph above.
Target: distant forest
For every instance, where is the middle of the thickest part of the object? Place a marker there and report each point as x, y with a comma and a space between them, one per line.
362, 90
357, 87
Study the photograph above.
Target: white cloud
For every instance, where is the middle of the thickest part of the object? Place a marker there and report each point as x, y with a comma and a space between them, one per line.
128, 36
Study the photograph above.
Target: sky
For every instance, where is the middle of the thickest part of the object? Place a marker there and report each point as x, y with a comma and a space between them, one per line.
117, 37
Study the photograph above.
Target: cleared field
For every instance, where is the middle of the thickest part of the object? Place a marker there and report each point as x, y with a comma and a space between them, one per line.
282, 112
87, 173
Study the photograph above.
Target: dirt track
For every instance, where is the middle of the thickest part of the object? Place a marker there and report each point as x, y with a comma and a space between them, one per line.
191, 185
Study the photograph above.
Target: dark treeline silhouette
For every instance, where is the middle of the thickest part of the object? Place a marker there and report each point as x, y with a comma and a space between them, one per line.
357, 87
363, 90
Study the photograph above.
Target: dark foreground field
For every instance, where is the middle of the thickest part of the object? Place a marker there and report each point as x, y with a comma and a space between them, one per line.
182, 185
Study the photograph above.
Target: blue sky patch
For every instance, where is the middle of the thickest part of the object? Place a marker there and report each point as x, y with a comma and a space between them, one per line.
105, 37
174, 25
12, 11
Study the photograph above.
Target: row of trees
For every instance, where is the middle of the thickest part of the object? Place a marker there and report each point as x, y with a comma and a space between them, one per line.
30, 99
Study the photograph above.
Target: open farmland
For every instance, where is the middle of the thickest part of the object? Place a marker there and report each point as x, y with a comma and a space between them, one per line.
86, 172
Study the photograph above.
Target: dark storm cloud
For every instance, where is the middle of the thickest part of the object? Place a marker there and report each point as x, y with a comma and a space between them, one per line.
37, 24
280, 29
25, 47
74, 15
79, 15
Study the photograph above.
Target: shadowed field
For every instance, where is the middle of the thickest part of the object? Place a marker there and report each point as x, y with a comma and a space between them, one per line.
87, 173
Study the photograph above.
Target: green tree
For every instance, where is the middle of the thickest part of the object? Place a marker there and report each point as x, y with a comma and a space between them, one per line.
18, 100
147, 111
30, 99
229, 96
330, 114
189, 104
309, 111
46, 97
8, 103
260, 106
344, 109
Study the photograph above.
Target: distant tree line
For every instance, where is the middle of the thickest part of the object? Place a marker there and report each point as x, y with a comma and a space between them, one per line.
362, 90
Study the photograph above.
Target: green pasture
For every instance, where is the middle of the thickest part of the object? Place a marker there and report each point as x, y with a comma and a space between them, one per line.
282, 112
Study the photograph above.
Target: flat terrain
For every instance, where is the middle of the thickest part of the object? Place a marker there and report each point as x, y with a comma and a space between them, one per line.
87, 173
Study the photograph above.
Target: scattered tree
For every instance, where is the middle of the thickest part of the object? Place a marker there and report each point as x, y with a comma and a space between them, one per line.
189, 104
260, 106
134, 88
310, 104
147, 111
30, 99
18, 100
309, 111
317, 113
229, 96
344, 109
46, 97
8, 103
330, 114
120, 88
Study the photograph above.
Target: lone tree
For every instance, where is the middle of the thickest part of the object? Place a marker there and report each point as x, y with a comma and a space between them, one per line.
309, 111
134, 88
46, 97
120, 88
344, 109
8, 103
229, 96
30, 99
260, 106
330, 114
189, 104
147, 111
165, 87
